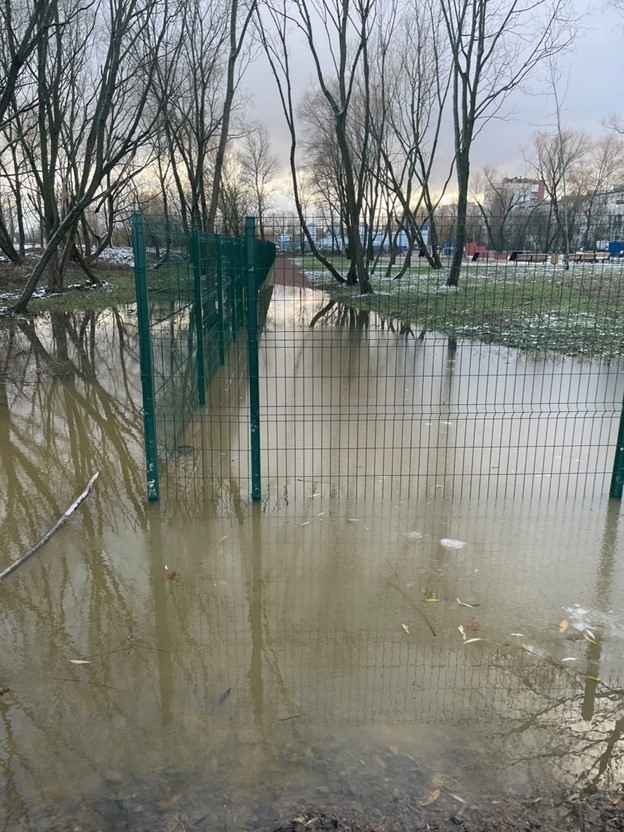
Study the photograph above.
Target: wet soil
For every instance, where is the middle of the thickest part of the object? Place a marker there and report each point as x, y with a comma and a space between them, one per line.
596, 814
286, 273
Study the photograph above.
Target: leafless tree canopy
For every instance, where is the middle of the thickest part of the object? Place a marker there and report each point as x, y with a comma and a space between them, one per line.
106, 108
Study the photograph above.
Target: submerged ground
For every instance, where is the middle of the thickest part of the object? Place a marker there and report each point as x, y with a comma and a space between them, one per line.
421, 622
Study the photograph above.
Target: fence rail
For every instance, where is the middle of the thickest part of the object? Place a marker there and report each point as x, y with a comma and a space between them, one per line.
194, 295
512, 380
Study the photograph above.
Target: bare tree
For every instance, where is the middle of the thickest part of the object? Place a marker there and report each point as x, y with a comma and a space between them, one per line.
240, 18
554, 157
236, 197
504, 208
188, 93
495, 46
259, 165
603, 166
116, 120
414, 86
343, 30
22, 27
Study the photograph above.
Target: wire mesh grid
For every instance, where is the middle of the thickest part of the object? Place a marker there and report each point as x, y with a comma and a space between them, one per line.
303, 621
508, 382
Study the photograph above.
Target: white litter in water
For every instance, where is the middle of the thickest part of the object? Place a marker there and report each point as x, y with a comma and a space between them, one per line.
452, 544
413, 535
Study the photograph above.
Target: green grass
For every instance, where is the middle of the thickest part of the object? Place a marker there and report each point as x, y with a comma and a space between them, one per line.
118, 290
578, 313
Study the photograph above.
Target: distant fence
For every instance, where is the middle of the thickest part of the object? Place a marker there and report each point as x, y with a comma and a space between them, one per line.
490, 233
299, 384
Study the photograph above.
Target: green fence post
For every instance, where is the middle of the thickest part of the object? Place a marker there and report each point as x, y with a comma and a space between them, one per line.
617, 478
252, 350
238, 281
220, 316
145, 356
199, 315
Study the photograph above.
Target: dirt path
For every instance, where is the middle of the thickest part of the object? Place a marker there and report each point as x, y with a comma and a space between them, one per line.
286, 273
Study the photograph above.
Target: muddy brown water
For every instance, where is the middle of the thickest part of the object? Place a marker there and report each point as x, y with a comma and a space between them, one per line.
238, 662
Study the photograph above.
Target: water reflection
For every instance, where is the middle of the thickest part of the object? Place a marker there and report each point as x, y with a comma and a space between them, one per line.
242, 663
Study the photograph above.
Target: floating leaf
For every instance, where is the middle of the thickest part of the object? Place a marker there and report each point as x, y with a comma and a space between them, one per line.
80, 661
393, 749
590, 637
224, 696
406, 628
535, 651
462, 631
457, 797
173, 575
472, 640
517, 635
225, 537
307, 523
463, 604
473, 625
431, 798
569, 659
593, 678
563, 626
431, 599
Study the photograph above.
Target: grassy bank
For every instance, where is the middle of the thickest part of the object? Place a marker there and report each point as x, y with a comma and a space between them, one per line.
577, 313
116, 290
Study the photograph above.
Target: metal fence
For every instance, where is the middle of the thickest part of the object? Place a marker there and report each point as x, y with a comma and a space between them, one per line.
199, 298
299, 385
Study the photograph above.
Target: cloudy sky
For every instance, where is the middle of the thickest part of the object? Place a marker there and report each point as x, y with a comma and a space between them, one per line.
592, 79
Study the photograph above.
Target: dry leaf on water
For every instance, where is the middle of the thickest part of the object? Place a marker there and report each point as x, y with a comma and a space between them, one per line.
406, 628
472, 640
431, 798
393, 749
473, 625
173, 575
80, 661
464, 604
563, 626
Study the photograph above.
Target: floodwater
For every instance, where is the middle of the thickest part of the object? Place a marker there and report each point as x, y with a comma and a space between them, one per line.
216, 664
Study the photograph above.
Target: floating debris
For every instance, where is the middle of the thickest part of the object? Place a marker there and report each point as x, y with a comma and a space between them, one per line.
431, 798
449, 543
224, 696
413, 536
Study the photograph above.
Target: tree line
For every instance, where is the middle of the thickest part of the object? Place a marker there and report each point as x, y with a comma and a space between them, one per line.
110, 107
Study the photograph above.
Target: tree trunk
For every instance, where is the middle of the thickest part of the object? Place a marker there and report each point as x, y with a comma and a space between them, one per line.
460, 236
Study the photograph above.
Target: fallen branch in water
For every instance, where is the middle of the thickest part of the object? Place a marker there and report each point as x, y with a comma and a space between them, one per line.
65, 517
416, 607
